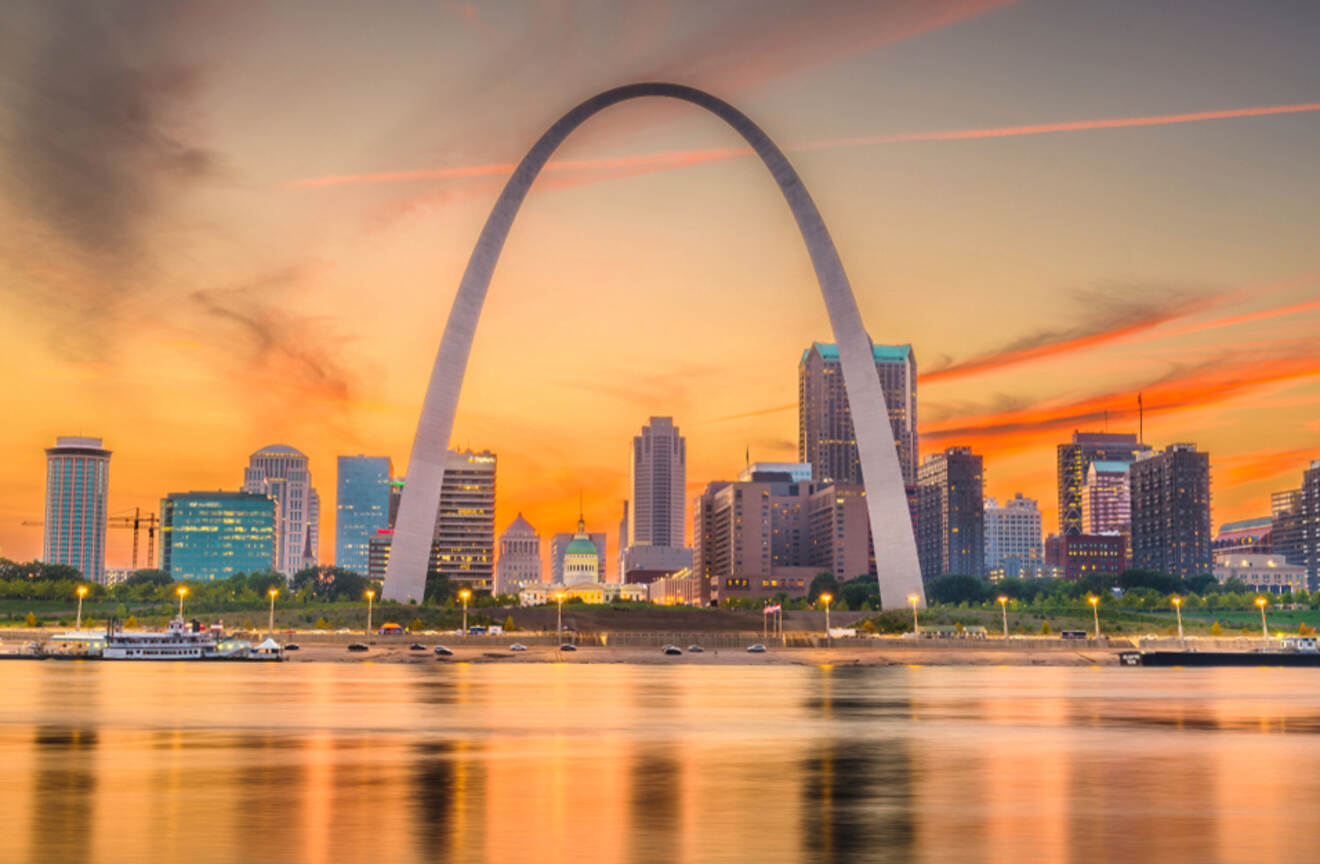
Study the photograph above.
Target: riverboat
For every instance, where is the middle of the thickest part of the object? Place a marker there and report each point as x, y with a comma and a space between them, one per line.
177, 642
1292, 651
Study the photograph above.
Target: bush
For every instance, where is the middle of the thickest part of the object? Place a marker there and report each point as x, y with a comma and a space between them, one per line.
1216, 630
1045, 628
322, 624
415, 624
509, 626
31, 620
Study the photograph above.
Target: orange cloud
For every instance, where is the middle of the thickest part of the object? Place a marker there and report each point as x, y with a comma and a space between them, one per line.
1263, 464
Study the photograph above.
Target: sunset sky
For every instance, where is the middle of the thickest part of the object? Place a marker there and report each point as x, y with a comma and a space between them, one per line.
230, 224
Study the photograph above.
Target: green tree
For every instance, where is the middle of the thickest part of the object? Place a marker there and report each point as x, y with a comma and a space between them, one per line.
957, 588
147, 577
509, 626
860, 593
823, 583
415, 625
1045, 628
322, 624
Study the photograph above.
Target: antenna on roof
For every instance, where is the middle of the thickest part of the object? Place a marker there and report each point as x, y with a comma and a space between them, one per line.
1141, 421
749, 456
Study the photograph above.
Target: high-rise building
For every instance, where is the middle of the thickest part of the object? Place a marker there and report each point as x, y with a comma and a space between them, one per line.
77, 483
463, 546
657, 473
1311, 523
281, 473
213, 535
1079, 555
520, 557
559, 545
1106, 498
1013, 538
951, 514
1287, 526
1170, 497
1074, 460
825, 427
362, 507
771, 534
1247, 536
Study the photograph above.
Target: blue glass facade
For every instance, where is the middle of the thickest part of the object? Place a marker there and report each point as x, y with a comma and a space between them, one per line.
213, 535
362, 508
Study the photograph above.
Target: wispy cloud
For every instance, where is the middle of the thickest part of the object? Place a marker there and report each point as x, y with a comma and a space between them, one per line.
1265, 464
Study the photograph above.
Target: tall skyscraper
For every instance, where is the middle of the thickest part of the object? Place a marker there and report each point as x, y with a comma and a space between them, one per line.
657, 473
1075, 458
77, 483
281, 472
1287, 526
463, 546
362, 507
520, 557
1311, 523
1171, 511
1012, 537
213, 535
951, 515
825, 427
1106, 498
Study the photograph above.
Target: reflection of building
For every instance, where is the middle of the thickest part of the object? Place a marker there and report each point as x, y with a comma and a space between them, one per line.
1260, 572
213, 535
1078, 555
362, 507
1171, 511
1075, 459
771, 535
77, 482
657, 469
1012, 537
281, 472
520, 557
951, 514
825, 427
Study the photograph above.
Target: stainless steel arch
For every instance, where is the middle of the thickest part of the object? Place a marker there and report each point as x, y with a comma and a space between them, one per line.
891, 524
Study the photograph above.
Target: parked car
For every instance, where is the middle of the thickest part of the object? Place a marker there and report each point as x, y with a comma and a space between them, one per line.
695, 649
443, 651
357, 646
672, 650
1072, 634
567, 647
758, 648
517, 646
292, 646
417, 646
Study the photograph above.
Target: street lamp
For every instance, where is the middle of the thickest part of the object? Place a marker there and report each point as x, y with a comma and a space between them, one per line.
273, 592
913, 598
371, 595
1003, 607
827, 599
559, 620
82, 592
182, 591
463, 595
1095, 610
1177, 608
1261, 602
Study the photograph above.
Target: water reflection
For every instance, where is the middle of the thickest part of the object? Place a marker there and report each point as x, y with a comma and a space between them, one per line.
329, 763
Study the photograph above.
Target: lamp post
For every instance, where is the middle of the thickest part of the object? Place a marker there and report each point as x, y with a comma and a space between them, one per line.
463, 595
182, 591
1264, 630
1003, 608
82, 592
371, 595
827, 599
1177, 609
559, 619
273, 592
1095, 610
912, 598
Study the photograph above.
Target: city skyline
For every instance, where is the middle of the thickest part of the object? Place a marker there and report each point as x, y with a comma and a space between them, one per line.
1161, 247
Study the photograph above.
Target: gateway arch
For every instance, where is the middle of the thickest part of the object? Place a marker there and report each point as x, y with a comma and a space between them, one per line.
887, 506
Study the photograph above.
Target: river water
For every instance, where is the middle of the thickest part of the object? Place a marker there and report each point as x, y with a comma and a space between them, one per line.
328, 762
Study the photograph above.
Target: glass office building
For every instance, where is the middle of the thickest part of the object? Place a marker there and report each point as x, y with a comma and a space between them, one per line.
77, 481
213, 535
362, 508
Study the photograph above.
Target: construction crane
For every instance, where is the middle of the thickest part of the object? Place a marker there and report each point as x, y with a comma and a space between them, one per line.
137, 522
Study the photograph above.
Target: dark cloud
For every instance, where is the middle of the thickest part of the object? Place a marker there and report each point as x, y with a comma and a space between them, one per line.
98, 140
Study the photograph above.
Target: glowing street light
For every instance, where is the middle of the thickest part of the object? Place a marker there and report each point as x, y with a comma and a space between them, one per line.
559, 620
1003, 607
371, 595
1261, 603
182, 591
82, 592
827, 599
1095, 610
913, 598
463, 595
273, 592
1177, 608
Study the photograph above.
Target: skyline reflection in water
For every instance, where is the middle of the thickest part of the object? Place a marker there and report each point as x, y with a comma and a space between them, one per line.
574, 762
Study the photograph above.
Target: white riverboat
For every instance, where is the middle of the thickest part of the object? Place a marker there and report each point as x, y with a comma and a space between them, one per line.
178, 642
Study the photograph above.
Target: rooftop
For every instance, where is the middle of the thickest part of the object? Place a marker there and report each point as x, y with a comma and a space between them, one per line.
829, 352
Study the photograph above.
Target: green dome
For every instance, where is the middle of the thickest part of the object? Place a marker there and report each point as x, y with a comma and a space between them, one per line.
580, 546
